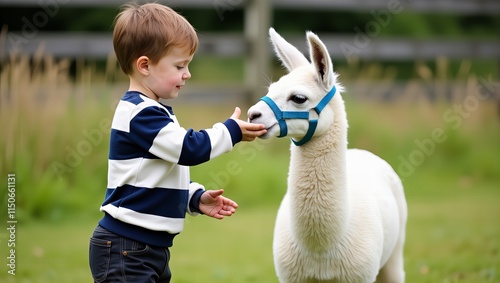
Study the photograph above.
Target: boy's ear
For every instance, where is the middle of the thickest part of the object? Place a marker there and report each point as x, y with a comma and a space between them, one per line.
142, 65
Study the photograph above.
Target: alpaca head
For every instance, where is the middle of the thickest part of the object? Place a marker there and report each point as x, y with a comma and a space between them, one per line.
291, 105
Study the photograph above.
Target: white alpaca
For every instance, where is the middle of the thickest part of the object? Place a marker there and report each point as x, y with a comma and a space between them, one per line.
343, 216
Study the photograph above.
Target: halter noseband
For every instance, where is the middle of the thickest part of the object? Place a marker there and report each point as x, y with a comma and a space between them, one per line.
281, 116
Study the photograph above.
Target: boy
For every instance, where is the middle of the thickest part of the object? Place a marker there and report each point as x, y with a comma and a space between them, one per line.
149, 190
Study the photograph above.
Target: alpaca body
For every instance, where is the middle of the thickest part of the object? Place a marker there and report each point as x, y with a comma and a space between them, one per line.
310, 247
343, 217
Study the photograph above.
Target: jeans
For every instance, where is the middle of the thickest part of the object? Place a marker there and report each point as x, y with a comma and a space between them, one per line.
114, 258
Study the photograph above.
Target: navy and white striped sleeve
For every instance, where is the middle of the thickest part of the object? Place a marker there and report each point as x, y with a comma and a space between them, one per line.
155, 131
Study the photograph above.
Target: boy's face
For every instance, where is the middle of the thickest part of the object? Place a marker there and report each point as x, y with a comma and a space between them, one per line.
167, 77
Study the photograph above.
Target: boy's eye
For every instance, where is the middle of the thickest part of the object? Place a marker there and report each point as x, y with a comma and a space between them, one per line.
180, 67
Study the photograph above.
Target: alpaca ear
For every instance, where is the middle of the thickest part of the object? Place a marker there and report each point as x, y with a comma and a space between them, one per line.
290, 56
321, 60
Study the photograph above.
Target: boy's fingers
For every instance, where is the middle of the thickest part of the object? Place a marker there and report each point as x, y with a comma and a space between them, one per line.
245, 126
255, 127
255, 133
236, 113
230, 203
216, 193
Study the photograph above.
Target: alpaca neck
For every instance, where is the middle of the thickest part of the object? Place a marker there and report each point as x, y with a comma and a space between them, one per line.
317, 185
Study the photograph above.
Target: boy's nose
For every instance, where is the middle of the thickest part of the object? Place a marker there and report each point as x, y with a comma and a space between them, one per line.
186, 75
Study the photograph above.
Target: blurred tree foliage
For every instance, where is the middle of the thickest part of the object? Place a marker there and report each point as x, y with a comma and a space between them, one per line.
405, 24
402, 25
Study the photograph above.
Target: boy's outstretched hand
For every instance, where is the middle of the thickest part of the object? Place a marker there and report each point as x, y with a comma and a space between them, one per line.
250, 131
213, 204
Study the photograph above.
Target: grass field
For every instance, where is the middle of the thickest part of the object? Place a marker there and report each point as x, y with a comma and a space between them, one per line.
55, 135
452, 239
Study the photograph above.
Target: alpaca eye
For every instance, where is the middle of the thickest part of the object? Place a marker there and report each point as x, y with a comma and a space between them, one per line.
299, 99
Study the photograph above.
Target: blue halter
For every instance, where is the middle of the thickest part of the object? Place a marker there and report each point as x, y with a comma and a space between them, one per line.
281, 116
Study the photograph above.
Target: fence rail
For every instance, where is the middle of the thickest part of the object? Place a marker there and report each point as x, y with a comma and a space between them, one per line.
99, 45
252, 43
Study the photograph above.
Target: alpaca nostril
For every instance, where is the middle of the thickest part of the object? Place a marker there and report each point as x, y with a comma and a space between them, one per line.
254, 116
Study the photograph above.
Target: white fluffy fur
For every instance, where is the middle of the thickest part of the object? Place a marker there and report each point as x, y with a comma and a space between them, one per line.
343, 216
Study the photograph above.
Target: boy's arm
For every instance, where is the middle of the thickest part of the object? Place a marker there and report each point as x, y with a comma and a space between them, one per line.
155, 131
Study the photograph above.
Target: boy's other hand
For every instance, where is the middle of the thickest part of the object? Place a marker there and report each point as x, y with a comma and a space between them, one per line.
249, 131
213, 204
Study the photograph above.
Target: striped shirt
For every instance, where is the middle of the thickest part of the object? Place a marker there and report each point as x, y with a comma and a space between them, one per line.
149, 190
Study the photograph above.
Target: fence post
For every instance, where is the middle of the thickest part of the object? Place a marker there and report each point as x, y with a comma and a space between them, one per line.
258, 16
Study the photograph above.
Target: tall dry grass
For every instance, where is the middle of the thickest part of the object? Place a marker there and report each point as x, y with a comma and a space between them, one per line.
33, 100
45, 111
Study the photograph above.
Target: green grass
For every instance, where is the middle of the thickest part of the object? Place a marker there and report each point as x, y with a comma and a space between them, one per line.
449, 239
454, 239
50, 252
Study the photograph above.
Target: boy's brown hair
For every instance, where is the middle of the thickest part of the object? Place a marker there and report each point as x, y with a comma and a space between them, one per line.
149, 30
